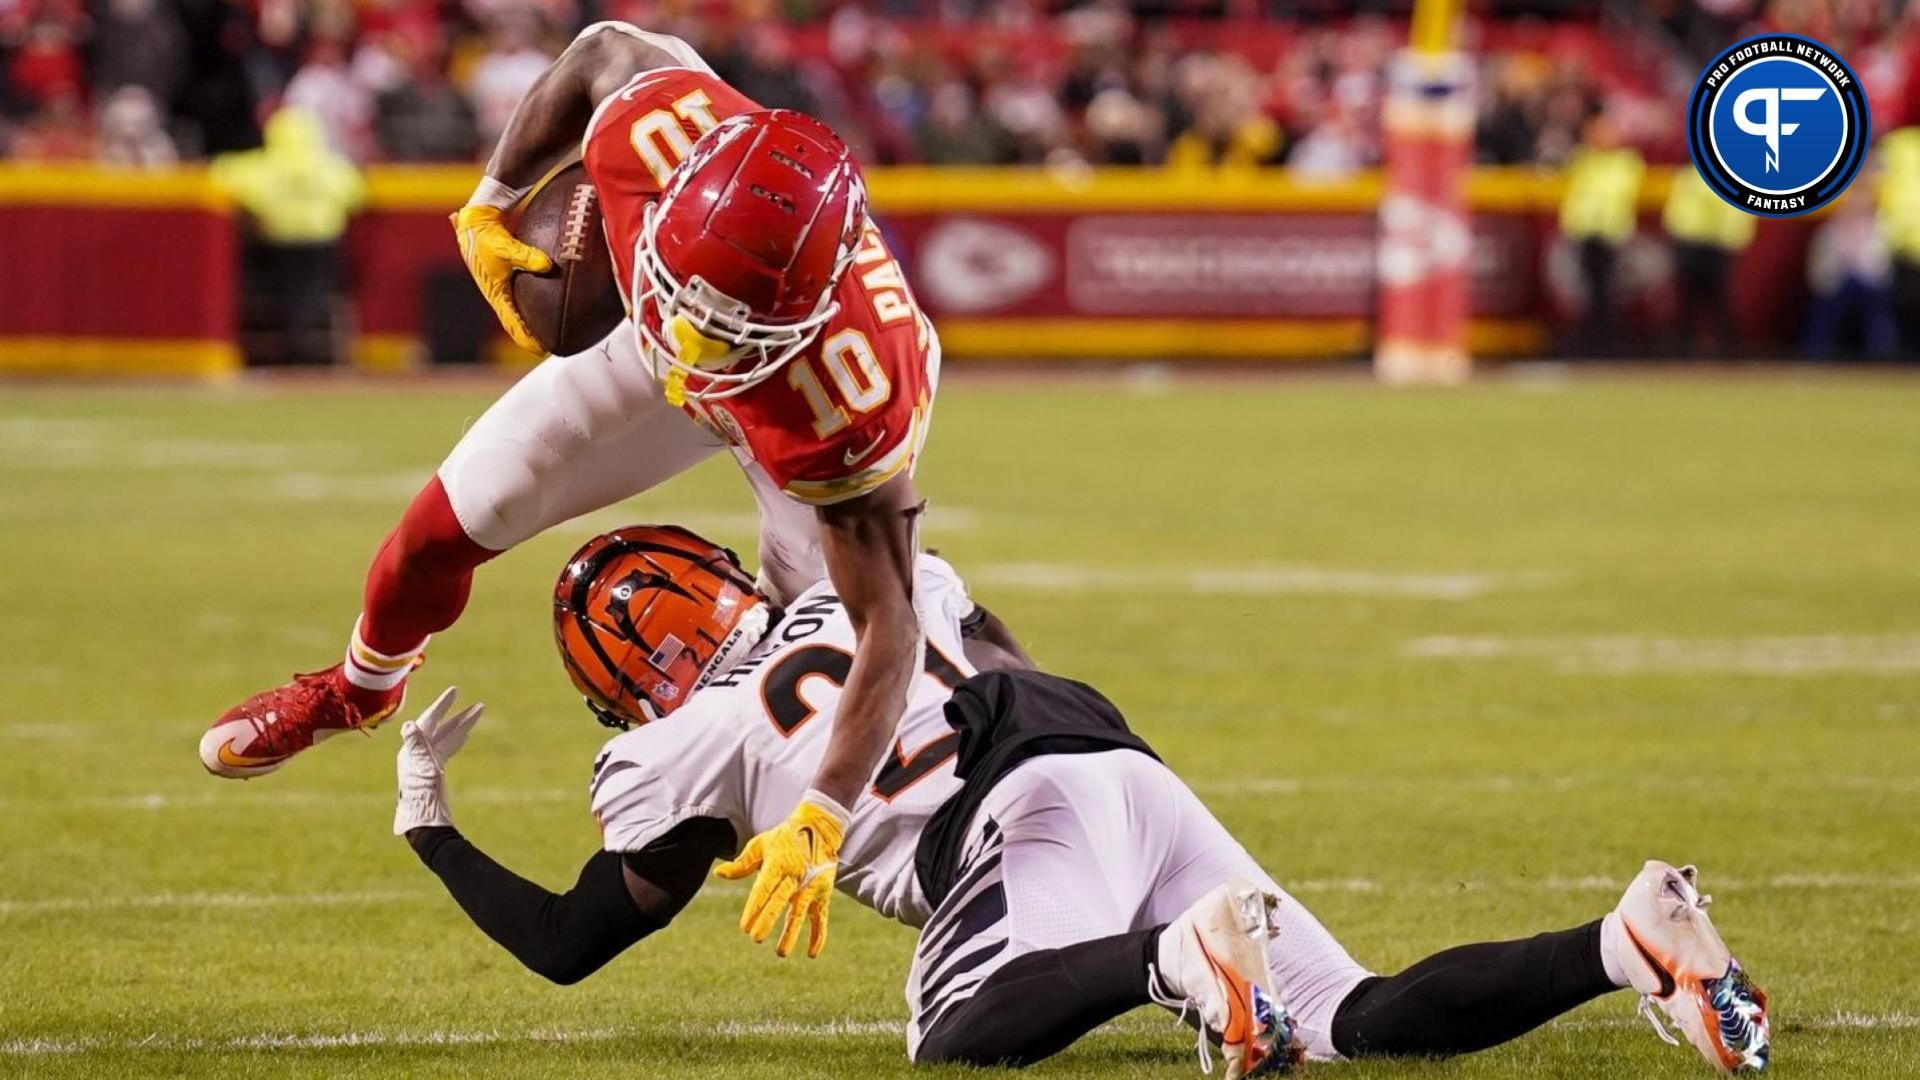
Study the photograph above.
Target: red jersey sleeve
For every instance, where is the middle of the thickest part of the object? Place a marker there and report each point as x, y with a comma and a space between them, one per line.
635, 139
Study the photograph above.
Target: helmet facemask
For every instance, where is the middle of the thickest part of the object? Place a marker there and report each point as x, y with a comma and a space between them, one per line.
750, 351
702, 342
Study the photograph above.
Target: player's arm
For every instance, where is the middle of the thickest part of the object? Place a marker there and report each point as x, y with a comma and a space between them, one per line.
617, 900
547, 125
990, 644
869, 544
544, 131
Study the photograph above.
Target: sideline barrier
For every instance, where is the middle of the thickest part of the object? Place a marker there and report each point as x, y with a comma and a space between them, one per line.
1033, 263
135, 272
115, 272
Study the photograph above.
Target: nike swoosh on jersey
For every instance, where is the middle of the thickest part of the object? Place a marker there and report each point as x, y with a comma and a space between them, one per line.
852, 457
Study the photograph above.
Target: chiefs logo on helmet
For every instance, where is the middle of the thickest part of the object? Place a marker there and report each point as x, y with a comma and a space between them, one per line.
645, 615
737, 261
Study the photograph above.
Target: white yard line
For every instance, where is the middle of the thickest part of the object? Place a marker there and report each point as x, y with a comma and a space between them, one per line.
229, 796
198, 900
733, 1029
1499, 784
211, 796
939, 519
81, 449
1629, 654
1266, 579
1898, 1020
377, 488
1605, 884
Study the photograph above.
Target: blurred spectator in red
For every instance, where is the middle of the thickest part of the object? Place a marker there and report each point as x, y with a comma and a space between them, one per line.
57, 132
46, 67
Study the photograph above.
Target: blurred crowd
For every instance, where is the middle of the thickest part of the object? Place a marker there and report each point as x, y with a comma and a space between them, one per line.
1592, 87
1180, 82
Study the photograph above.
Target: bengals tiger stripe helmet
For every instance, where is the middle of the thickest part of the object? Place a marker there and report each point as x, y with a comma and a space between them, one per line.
646, 615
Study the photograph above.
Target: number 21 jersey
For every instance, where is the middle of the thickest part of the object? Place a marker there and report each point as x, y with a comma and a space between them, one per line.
745, 747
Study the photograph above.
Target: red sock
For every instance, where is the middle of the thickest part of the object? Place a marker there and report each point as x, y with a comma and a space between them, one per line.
418, 586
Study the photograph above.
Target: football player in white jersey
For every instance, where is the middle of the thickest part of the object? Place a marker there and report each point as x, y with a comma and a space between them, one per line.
1060, 874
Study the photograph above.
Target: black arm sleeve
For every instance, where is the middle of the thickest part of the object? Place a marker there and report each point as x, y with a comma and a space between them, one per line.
564, 937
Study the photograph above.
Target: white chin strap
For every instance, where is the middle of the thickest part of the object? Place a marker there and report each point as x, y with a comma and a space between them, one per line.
716, 317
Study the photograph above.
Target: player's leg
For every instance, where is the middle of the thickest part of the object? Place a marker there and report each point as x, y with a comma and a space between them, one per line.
1658, 940
1035, 945
579, 433
1044, 938
1460, 1000
576, 434
1471, 997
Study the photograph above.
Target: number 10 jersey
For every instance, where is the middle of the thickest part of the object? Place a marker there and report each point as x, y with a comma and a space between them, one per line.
852, 410
745, 748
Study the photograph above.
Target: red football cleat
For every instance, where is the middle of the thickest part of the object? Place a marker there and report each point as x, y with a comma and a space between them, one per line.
261, 733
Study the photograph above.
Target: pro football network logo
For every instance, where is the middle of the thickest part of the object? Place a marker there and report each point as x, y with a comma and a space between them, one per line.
1778, 125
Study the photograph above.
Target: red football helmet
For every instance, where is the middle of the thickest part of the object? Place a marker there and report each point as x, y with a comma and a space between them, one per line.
744, 248
646, 615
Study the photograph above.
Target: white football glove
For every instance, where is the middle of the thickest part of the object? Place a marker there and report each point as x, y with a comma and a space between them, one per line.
425, 746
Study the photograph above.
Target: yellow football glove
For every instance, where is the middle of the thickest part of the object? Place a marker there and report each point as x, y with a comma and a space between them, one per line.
797, 860
492, 255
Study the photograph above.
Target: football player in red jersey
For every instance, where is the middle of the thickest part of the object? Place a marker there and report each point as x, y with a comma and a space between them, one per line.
766, 317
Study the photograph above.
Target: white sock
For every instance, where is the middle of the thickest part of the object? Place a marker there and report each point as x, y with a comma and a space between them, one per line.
1167, 962
370, 669
1613, 944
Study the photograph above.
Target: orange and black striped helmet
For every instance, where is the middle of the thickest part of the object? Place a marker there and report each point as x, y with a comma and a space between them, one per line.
645, 615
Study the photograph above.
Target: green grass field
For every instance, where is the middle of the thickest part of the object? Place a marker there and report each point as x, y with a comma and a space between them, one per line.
1452, 664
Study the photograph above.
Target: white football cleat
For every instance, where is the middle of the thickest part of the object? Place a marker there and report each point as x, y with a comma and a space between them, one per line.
1674, 957
1213, 959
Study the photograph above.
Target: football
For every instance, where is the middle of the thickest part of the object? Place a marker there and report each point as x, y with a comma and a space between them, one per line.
574, 305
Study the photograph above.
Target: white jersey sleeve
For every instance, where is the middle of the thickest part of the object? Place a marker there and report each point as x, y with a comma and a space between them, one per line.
658, 775
746, 747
